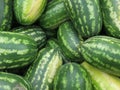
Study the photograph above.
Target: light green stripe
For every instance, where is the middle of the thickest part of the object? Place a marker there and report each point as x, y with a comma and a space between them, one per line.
13, 40
5, 87
7, 79
10, 51
38, 38
77, 85
54, 64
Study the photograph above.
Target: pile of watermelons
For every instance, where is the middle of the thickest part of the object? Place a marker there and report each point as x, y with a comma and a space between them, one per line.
59, 44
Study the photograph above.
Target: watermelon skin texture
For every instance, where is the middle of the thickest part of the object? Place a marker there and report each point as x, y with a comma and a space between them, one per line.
54, 15
85, 16
69, 42
72, 76
5, 15
41, 73
16, 50
28, 11
10, 81
103, 52
110, 12
35, 33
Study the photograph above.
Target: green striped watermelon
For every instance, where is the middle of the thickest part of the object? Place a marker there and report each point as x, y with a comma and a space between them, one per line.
43, 70
35, 33
111, 17
10, 81
85, 15
103, 52
72, 76
28, 11
16, 50
69, 42
54, 15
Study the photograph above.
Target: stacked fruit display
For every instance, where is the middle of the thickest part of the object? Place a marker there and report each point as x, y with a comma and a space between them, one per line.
59, 45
